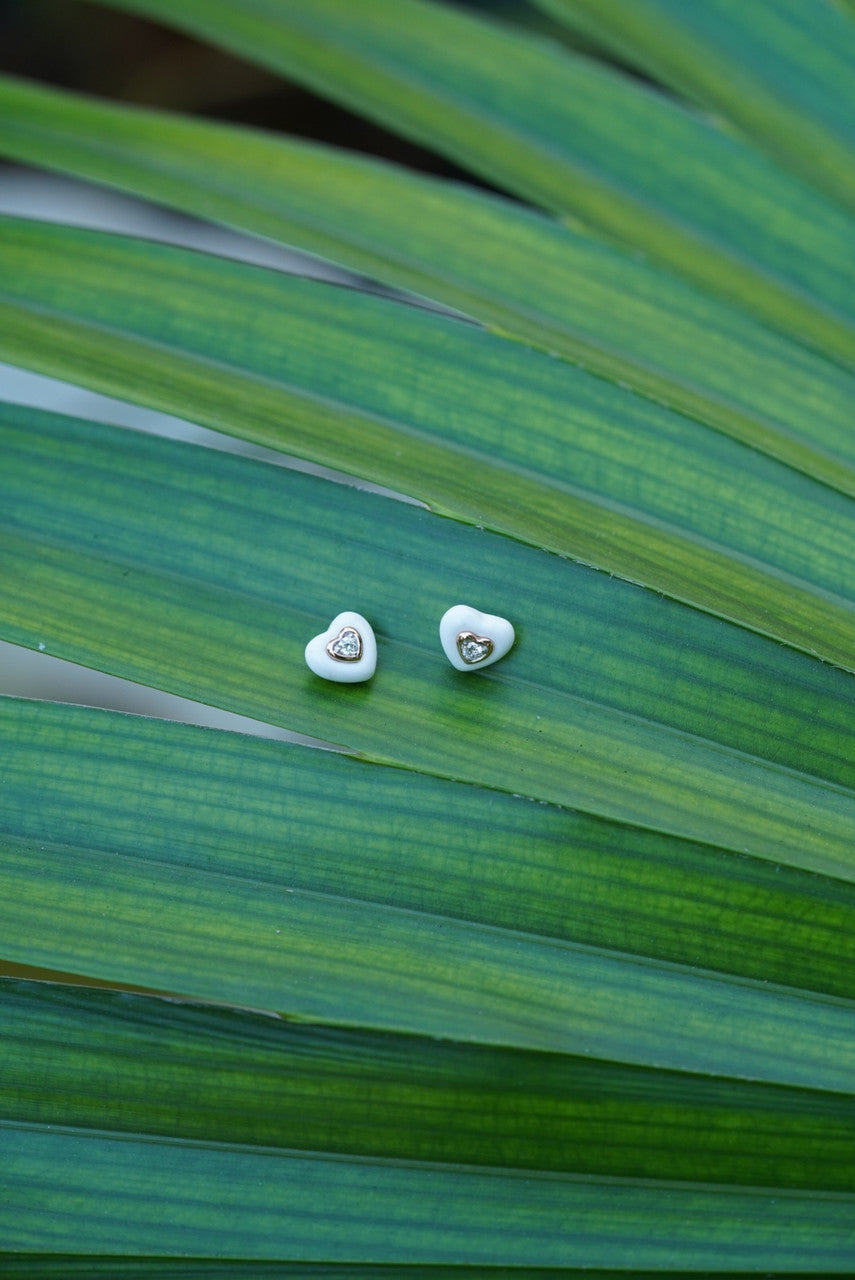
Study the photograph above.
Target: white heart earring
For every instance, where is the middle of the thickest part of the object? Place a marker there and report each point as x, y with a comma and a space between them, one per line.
472, 639
346, 652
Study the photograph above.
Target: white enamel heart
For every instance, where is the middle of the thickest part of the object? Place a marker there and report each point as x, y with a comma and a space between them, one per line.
346, 652
473, 640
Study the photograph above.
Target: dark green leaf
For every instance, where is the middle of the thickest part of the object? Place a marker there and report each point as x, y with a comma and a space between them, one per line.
325, 937
144, 791
138, 1064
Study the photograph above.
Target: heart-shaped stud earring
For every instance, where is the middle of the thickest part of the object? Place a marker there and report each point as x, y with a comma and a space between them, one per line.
346, 652
472, 640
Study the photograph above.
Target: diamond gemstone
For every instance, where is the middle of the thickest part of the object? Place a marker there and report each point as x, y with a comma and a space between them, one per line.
346, 646
473, 648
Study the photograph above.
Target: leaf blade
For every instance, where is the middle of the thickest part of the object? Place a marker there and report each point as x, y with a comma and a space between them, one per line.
104, 588
330, 380
145, 1065
562, 133
180, 914
615, 315
488, 856
264, 1207
781, 72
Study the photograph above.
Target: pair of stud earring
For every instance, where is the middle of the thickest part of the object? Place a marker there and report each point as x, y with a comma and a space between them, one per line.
347, 651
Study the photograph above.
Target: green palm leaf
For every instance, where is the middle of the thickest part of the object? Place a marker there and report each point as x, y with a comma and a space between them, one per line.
546, 969
387, 1095
329, 1208
616, 315
739, 59
566, 134
323, 948
157, 1069
500, 437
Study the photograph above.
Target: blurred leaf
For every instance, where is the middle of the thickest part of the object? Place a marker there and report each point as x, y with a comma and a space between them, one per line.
568, 135
782, 71
617, 316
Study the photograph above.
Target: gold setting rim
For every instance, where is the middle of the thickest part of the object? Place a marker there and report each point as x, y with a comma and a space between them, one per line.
469, 637
345, 657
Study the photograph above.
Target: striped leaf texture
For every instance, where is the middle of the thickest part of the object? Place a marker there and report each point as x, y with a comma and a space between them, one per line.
544, 970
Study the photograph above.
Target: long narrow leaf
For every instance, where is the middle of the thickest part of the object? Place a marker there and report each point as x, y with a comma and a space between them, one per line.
205, 1198
335, 960
468, 422
207, 575
50, 1266
146, 1065
618, 316
782, 71
550, 969
224, 1200
142, 791
566, 134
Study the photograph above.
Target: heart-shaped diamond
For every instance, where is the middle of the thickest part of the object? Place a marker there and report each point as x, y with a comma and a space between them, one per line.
346, 646
473, 640
473, 648
346, 652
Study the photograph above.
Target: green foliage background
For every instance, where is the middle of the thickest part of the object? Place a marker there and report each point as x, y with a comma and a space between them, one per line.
547, 970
